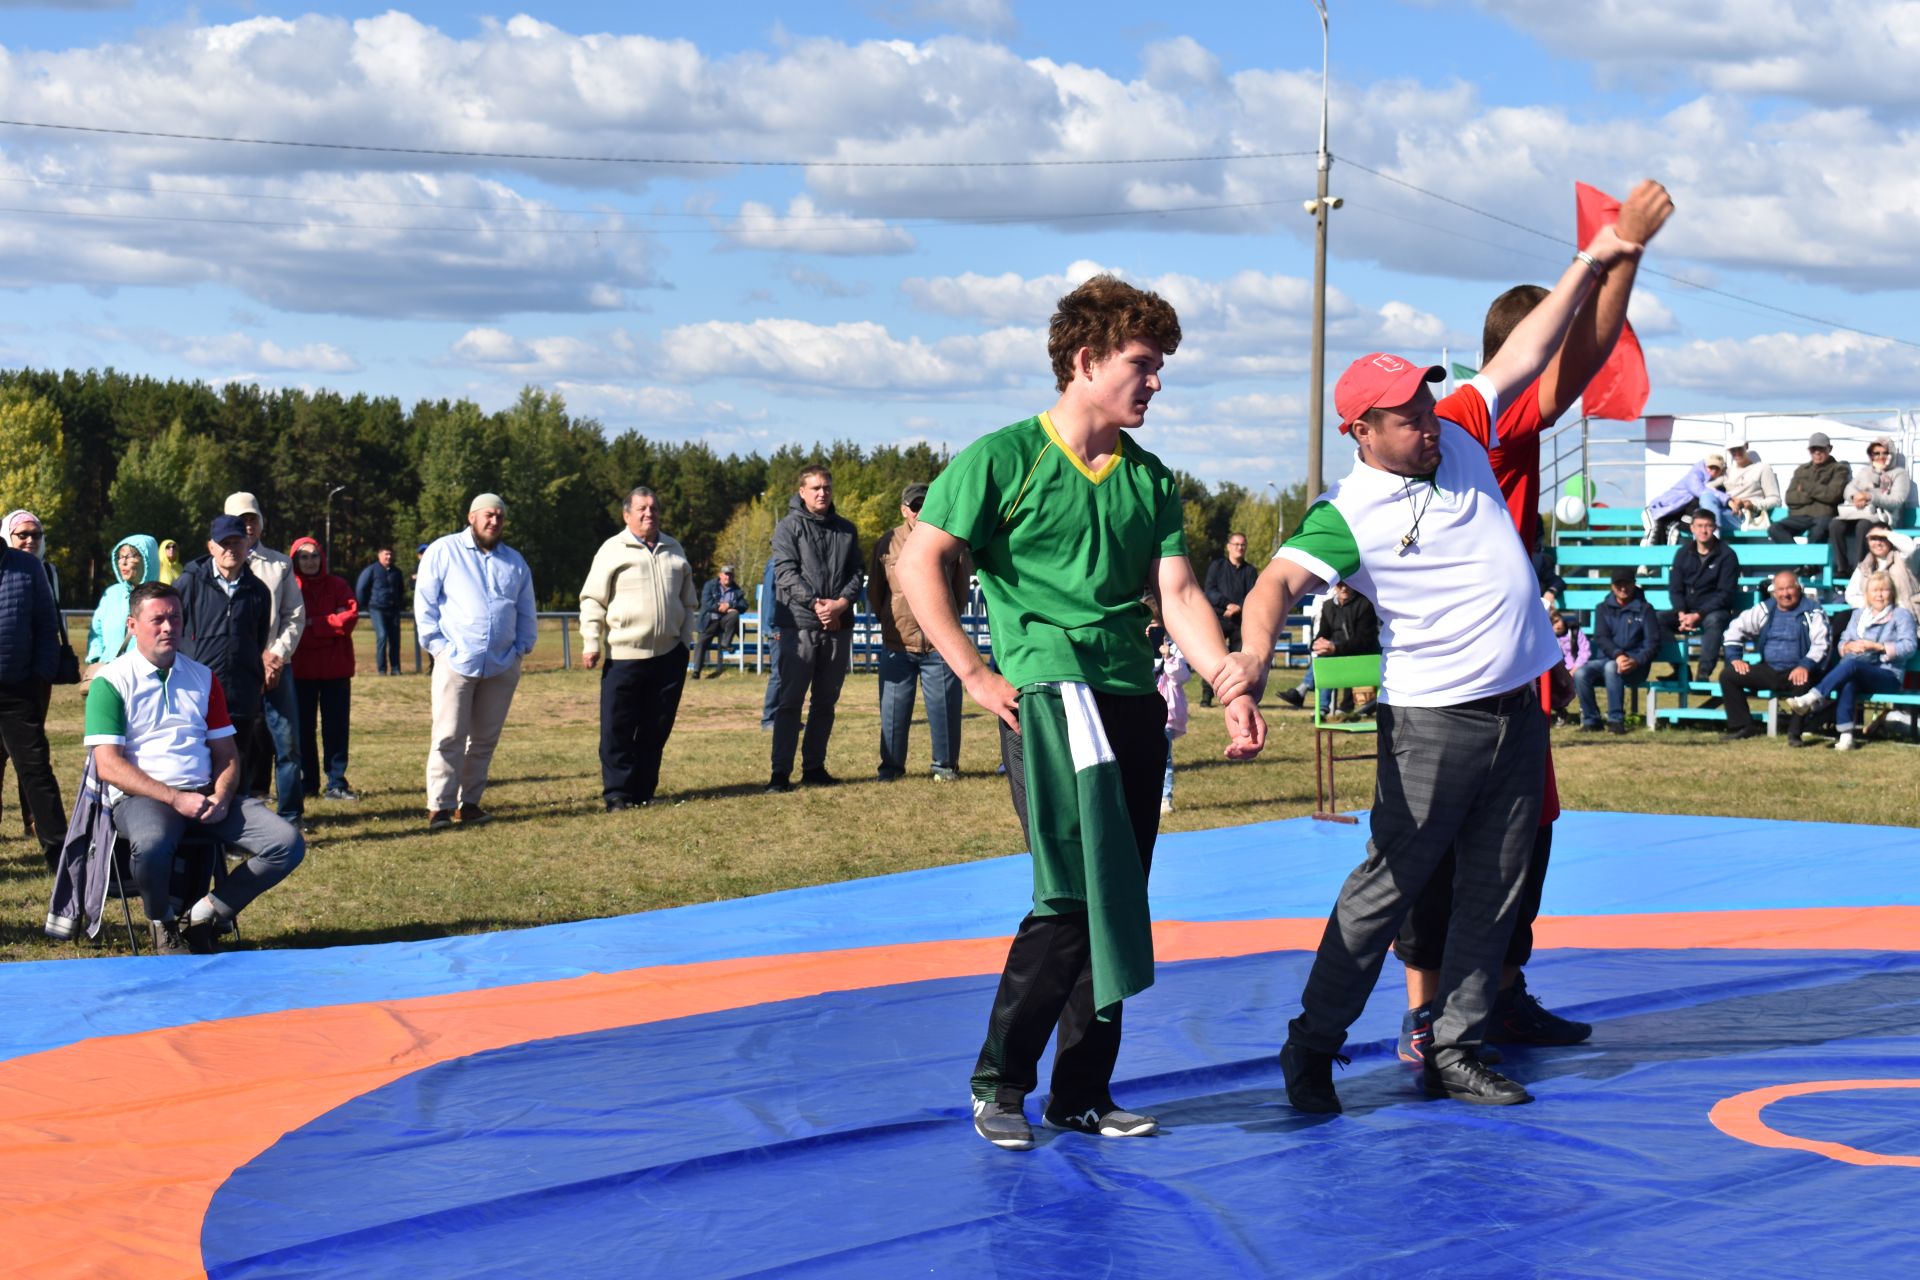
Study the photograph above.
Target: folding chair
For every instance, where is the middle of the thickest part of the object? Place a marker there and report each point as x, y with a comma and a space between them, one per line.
197, 862
1334, 675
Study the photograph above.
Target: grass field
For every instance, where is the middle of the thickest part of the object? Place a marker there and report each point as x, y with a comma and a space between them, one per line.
372, 873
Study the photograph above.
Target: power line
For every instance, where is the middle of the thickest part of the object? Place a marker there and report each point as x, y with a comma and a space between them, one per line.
1644, 270
670, 161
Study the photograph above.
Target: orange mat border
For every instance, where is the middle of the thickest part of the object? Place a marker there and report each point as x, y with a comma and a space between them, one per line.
114, 1147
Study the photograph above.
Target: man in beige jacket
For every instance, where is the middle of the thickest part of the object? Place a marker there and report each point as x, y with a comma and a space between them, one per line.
639, 604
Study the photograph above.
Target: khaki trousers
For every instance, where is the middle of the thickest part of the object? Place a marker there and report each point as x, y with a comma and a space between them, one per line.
468, 712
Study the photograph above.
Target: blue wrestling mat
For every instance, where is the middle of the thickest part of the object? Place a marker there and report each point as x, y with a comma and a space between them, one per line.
779, 1086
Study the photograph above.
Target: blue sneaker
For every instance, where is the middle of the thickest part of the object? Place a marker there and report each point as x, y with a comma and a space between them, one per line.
1416, 1035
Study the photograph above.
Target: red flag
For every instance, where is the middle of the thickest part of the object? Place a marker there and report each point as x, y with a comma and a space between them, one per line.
1620, 389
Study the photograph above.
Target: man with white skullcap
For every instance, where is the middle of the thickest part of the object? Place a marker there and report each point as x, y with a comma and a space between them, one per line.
473, 610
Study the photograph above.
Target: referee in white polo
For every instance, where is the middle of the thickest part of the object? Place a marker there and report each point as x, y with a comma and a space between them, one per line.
1420, 528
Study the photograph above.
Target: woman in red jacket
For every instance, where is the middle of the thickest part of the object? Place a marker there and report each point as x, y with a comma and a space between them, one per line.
323, 668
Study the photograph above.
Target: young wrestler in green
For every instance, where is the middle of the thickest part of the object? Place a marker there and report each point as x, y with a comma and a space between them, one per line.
1069, 521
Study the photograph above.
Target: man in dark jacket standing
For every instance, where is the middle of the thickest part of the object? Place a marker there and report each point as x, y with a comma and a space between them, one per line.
1229, 578
226, 617
1703, 585
1625, 634
816, 557
382, 594
29, 637
1813, 495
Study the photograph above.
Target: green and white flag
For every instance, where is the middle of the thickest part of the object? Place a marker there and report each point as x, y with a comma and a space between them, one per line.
1084, 854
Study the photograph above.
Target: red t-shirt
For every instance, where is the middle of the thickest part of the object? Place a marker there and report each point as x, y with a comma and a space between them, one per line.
1516, 468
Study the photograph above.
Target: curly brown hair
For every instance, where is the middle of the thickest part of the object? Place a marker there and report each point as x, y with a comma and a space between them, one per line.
1103, 315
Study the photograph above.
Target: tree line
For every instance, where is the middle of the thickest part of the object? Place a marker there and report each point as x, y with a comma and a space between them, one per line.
102, 454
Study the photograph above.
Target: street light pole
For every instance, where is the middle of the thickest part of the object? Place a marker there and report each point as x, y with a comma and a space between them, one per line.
1319, 207
339, 488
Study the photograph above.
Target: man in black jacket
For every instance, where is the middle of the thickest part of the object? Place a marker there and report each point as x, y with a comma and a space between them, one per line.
29, 638
1813, 495
1704, 585
1348, 627
226, 615
1625, 634
816, 567
382, 592
1228, 581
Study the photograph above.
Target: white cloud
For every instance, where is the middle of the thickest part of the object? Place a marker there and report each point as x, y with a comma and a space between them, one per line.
239, 351
549, 358
804, 229
1650, 316
857, 356
1789, 369
1830, 51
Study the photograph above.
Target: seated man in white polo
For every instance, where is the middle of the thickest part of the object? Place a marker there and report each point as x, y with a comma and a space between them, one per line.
163, 746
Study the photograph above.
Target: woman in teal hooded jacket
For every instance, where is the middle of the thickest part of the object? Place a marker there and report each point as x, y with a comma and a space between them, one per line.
135, 559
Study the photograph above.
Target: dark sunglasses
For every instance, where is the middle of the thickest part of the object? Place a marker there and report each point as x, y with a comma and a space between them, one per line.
914, 506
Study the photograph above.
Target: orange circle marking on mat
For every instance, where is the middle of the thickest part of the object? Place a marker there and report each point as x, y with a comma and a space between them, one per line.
1739, 1117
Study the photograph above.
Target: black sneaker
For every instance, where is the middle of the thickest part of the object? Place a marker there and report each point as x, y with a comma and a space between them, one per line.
1004, 1124
200, 935
439, 820
1467, 1079
1795, 740
1614, 726
1102, 1122
777, 785
1744, 731
1594, 727
1518, 1018
338, 793
1292, 697
817, 778
1309, 1075
472, 815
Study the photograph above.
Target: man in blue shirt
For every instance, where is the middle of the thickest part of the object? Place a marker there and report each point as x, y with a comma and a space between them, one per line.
473, 611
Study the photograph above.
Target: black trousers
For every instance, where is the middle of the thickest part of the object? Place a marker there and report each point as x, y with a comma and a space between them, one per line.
1047, 985
719, 634
1422, 943
253, 745
1735, 687
639, 698
23, 732
1713, 626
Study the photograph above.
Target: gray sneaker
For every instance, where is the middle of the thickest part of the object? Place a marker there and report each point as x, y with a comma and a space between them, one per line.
1002, 1125
1110, 1123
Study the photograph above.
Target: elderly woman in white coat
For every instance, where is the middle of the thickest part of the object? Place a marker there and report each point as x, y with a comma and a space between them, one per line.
1879, 492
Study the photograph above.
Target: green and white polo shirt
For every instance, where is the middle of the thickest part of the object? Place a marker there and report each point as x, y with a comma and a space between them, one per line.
1460, 613
161, 718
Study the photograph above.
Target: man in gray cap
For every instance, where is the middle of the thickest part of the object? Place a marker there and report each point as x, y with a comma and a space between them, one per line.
1813, 495
280, 710
907, 656
473, 610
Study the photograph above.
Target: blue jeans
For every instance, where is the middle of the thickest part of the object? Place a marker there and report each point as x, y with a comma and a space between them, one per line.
899, 673
1594, 671
281, 707
772, 702
1852, 677
1166, 783
386, 641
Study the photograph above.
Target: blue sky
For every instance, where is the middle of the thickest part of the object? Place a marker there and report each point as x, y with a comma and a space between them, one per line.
753, 305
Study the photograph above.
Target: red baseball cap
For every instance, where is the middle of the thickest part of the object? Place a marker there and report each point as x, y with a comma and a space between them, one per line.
1378, 379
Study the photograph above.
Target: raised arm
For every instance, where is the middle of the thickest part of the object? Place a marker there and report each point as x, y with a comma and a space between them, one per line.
1596, 327
1536, 339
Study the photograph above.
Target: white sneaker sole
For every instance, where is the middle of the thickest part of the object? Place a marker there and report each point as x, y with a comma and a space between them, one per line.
1140, 1127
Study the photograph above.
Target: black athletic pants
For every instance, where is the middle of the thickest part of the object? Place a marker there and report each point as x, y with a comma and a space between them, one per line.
1048, 981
